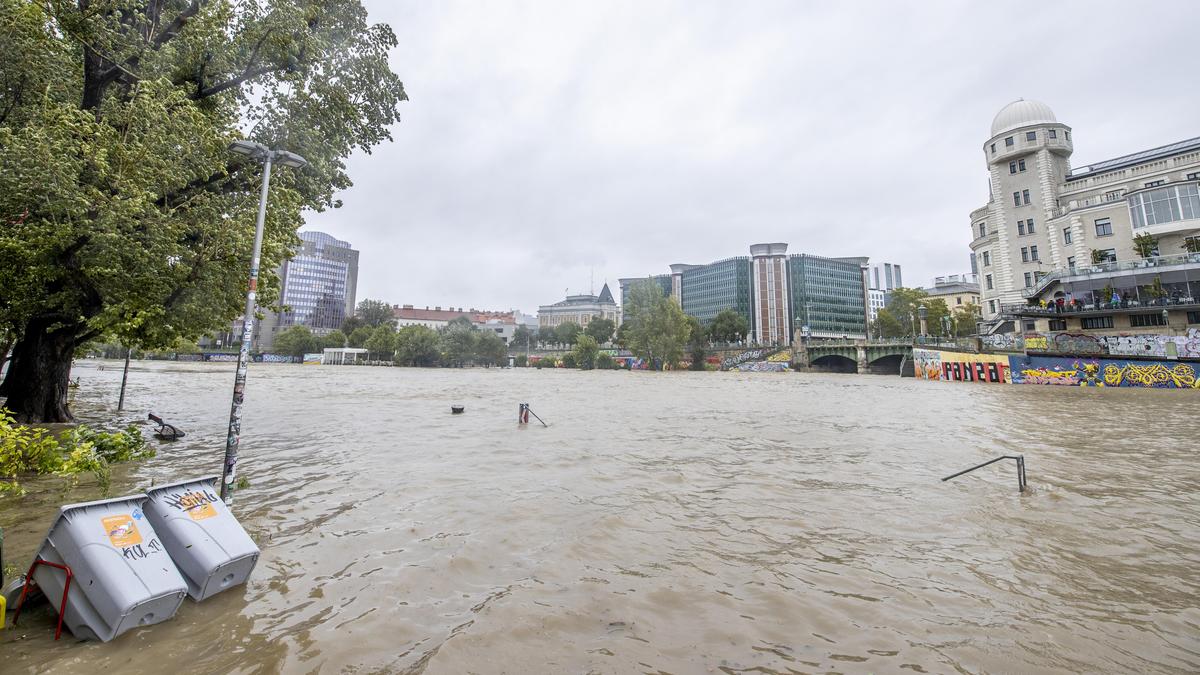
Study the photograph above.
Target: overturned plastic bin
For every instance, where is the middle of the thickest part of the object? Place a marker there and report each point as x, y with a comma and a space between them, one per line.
122, 576
204, 539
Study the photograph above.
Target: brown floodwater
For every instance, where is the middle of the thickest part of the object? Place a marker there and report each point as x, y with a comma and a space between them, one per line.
678, 522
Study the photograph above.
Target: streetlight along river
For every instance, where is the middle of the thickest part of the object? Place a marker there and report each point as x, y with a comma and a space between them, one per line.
267, 156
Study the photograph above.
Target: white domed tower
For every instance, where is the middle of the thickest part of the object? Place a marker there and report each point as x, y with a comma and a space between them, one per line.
1028, 157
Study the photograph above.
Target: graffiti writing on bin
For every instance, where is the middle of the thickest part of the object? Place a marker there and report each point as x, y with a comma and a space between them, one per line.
196, 503
139, 552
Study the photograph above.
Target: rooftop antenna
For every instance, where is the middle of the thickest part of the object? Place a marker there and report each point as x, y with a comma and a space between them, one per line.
592, 281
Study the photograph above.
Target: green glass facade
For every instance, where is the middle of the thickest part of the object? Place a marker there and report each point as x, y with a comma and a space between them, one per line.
708, 289
663, 281
827, 296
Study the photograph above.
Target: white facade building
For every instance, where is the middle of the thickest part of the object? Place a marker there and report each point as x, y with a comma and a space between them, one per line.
1042, 216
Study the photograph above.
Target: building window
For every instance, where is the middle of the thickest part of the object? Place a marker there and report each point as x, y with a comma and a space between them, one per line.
1028, 279
1053, 133
1030, 326
1066, 235
1033, 253
988, 279
1031, 135
1016, 199
1025, 256
1194, 176
1029, 225
958, 301
1020, 227
1071, 263
1021, 165
1145, 320
983, 229
1096, 322
993, 148
1058, 324
1103, 227
1025, 195
1154, 183
1113, 195
987, 258
1193, 317
1012, 167
1008, 142
991, 305
1169, 204
1066, 134
1108, 255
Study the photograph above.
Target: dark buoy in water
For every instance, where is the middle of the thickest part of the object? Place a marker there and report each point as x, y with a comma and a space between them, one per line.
457, 409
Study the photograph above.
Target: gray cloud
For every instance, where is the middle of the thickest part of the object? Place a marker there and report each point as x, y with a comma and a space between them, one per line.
548, 140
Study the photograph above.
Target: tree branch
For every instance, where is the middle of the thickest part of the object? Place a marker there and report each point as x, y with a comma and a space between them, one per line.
177, 23
248, 74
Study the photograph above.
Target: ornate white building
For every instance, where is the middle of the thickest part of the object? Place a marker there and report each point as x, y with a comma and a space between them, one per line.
1043, 216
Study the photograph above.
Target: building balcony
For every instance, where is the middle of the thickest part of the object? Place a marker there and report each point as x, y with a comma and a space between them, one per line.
1092, 305
989, 238
1184, 267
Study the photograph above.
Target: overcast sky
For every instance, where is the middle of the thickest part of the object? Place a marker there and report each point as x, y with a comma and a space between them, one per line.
547, 142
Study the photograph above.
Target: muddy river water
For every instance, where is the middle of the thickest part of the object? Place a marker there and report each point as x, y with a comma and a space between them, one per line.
679, 522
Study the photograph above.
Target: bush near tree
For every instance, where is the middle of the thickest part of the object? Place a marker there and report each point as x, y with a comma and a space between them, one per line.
585, 352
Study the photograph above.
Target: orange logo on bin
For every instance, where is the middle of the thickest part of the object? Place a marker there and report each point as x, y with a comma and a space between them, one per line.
197, 506
121, 530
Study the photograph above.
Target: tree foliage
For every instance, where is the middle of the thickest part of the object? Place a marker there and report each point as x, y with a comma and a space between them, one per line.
901, 317
417, 346
567, 332
490, 349
297, 341
1145, 244
358, 339
121, 211
601, 330
523, 337
457, 342
334, 340
374, 313
587, 349
728, 326
655, 328
382, 343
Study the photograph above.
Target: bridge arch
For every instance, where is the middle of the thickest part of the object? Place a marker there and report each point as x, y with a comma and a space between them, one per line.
834, 363
886, 364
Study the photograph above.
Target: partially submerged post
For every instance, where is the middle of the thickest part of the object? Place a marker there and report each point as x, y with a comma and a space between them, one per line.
1021, 484
124, 378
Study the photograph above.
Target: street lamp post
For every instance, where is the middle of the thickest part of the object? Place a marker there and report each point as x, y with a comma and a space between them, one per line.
267, 156
923, 312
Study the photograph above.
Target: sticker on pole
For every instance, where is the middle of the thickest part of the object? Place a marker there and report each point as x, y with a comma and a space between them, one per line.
121, 530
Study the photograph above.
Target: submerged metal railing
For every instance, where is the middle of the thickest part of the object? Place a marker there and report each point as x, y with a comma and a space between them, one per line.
1021, 484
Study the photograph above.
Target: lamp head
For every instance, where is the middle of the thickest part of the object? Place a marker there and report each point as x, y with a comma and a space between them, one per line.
249, 149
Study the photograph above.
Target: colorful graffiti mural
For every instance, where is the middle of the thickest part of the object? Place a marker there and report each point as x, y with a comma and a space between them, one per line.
1152, 345
761, 367
936, 364
1104, 372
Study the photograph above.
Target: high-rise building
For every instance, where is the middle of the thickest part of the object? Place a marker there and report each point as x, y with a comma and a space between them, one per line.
1044, 218
775, 292
317, 288
885, 277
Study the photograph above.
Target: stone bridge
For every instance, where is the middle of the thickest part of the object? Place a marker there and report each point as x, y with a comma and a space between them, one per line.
883, 356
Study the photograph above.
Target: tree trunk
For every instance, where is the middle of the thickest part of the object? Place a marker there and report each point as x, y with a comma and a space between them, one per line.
38, 375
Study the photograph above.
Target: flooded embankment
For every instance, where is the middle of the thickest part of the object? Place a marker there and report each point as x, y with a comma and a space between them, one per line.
677, 522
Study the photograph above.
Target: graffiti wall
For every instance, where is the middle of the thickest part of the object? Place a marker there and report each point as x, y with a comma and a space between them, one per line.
1102, 372
936, 364
761, 367
1149, 345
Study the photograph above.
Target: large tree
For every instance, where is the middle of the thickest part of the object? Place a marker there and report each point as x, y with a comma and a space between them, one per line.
728, 326
121, 211
567, 332
655, 328
374, 313
296, 341
417, 346
601, 330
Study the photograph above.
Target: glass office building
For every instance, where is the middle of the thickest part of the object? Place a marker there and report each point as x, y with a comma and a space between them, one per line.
319, 283
828, 295
708, 289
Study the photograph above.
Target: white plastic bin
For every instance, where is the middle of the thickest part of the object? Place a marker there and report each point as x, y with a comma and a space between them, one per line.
204, 539
123, 576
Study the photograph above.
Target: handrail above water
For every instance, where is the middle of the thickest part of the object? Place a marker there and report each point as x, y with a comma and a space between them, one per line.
1021, 483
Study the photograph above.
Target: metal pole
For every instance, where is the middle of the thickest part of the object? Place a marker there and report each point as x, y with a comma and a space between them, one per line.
124, 378
229, 470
